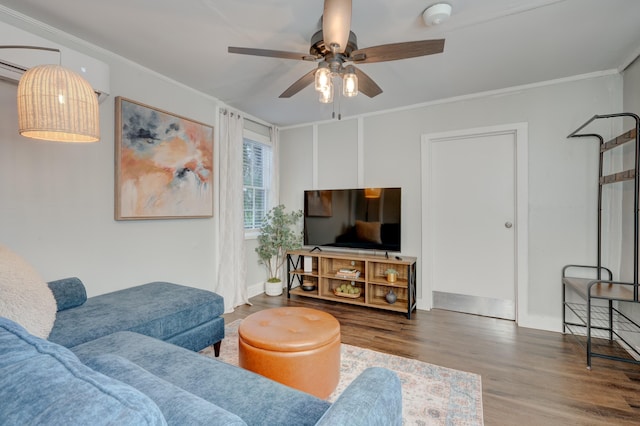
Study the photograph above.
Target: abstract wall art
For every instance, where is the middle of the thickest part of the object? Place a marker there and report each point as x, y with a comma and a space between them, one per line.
164, 164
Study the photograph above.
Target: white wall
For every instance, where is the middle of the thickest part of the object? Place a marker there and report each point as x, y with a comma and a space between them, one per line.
57, 199
57, 203
562, 214
631, 104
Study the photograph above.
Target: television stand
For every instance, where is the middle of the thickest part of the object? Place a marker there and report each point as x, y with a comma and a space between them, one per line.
366, 273
314, 249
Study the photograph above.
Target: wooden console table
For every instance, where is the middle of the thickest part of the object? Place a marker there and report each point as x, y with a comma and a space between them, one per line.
323, 278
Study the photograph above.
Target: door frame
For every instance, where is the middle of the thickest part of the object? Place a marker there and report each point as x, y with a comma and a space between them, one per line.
521, 185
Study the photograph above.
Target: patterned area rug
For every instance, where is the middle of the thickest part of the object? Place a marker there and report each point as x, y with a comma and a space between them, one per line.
431, 395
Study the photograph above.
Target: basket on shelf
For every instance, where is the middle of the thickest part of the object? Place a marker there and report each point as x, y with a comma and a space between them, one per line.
349, 295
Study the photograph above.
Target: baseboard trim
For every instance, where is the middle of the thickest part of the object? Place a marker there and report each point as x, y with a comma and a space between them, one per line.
255, 289
539, 322
485, 306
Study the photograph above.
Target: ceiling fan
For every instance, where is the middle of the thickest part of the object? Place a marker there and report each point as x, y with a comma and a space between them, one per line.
335, 49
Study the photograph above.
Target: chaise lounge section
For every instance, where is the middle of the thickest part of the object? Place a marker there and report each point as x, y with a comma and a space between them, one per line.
185, 316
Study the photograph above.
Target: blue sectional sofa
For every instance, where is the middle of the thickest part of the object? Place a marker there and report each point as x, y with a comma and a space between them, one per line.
121, 371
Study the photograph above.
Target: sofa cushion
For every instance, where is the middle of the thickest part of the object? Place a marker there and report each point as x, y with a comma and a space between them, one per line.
68, 292
255, 399
159, 309
178, 406
24, 296
44, 383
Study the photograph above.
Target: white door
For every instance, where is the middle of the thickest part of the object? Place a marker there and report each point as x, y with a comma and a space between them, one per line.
472, 222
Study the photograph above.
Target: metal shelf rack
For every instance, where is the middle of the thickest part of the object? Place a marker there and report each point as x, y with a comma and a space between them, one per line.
603, 319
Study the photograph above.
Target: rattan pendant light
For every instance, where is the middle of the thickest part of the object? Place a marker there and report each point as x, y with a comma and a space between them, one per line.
57, 104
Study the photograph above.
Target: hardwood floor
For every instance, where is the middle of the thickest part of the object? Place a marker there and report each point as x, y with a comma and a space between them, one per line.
529, 377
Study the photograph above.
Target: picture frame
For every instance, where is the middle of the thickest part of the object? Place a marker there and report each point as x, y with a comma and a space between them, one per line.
163, 164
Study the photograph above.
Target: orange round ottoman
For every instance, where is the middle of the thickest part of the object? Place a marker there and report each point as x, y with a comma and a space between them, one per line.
298, 347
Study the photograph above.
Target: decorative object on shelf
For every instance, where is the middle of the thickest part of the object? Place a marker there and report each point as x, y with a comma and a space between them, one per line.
391, 297
348, 295
348, 273
276, 238
308, 264
392, 275
308, 285
164, 164
347, 290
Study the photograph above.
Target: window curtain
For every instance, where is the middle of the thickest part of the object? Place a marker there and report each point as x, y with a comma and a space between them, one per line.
274, 186
232, 266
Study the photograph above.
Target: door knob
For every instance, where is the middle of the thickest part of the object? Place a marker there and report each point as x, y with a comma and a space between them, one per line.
508, 225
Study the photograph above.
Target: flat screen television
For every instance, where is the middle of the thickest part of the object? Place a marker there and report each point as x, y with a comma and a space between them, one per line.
364, 219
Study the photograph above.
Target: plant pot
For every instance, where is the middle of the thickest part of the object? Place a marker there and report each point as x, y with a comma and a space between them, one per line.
392, 277
273, 288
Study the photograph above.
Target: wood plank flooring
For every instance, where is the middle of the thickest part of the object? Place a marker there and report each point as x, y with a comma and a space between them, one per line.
529, 377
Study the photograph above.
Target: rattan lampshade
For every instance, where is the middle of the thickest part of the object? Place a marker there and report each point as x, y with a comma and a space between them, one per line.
57, 104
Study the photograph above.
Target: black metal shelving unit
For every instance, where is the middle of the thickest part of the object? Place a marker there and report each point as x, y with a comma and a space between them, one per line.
604, 320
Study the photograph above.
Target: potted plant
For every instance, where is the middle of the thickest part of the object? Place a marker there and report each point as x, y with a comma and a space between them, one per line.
392, 275
277, 236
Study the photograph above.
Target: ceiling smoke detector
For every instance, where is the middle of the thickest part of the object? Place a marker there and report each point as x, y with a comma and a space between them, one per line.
436, 14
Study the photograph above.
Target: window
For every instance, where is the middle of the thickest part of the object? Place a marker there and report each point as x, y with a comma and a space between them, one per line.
256, 162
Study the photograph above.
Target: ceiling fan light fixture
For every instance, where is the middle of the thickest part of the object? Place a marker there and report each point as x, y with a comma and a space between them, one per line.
350, 83
336, 24
326, 96
436, 14
323, 77
334, 48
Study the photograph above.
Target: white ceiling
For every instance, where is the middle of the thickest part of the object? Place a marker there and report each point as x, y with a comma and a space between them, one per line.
490, 45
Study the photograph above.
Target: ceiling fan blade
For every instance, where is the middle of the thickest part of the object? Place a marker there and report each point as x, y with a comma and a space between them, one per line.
271, 53
366, 85
336, 23
395, 51
302, 82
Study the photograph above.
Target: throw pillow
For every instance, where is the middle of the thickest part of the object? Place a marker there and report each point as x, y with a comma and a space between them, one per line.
24, 296
68, 292
368, 231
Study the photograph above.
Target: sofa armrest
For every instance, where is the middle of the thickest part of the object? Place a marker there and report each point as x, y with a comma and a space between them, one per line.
44, 383
68, 292
373, 398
